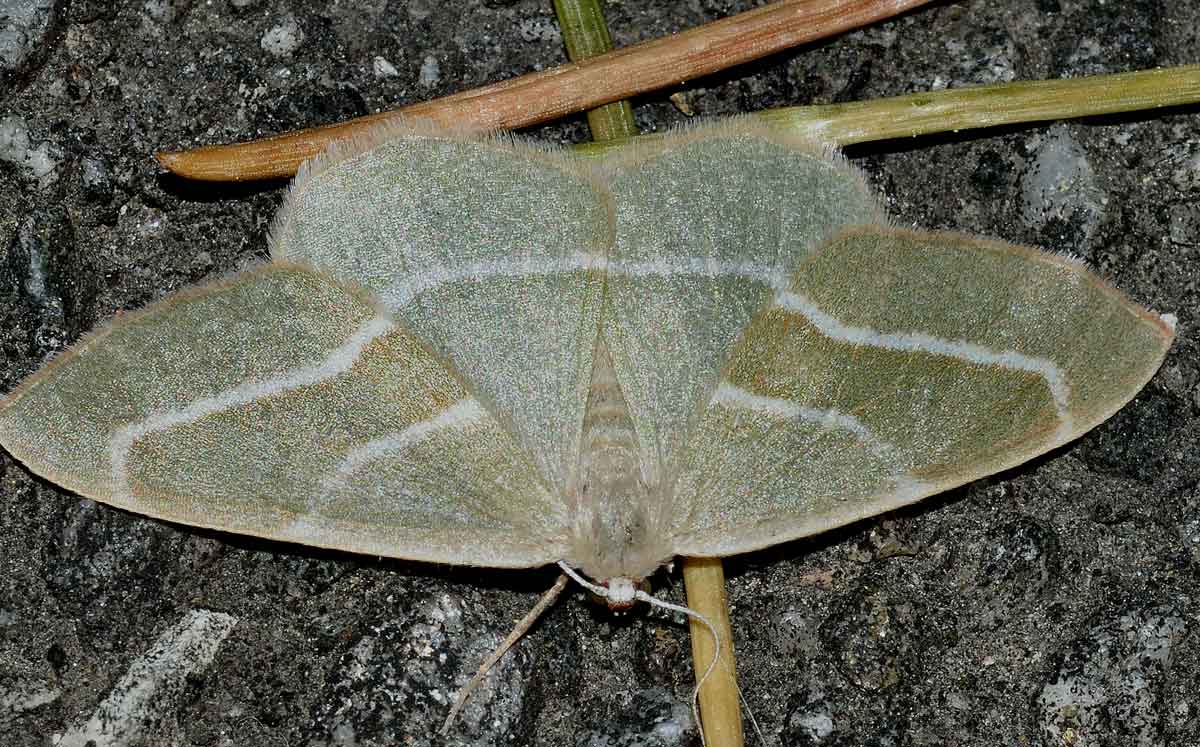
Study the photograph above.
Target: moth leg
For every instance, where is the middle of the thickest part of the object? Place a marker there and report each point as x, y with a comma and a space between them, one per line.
521, 628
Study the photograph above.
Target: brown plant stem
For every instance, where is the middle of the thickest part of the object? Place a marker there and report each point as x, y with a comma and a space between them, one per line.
720, 709
566, 89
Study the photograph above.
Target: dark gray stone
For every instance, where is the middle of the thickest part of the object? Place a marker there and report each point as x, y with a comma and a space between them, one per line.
1107, 686
24, 27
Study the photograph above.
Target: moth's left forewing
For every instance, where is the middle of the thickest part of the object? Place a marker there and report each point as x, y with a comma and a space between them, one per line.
898, 365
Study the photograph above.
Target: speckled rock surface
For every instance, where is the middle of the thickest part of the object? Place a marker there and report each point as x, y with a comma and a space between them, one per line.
1055, 604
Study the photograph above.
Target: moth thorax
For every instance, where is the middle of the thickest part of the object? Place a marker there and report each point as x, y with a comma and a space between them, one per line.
614, 536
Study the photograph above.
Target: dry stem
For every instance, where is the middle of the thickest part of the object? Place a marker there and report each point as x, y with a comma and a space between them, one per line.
574, 87
719, 702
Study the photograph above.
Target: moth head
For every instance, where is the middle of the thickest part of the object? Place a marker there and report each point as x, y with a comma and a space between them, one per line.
621, 592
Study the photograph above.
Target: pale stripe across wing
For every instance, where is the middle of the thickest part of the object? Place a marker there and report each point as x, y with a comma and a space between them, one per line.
762, 468
490, 250
403, 461
435, 295
701, 266
460, 414
708, 225
898, 364
244, 404
734, 396
433, 277
919, 342
339, 361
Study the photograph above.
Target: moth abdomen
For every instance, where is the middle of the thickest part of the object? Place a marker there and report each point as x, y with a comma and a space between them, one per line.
614, 534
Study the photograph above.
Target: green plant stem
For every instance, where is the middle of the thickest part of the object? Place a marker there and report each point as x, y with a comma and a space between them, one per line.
990, 106
585, 35
987, 106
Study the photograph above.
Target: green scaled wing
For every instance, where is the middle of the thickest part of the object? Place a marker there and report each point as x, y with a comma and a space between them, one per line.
410, 376
281, 404
490, 250
707, 221
897, 365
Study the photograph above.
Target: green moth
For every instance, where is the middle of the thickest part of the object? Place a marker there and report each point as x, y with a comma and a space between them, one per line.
488, 353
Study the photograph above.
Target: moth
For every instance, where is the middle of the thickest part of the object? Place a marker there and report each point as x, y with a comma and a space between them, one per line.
484, 352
